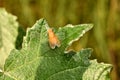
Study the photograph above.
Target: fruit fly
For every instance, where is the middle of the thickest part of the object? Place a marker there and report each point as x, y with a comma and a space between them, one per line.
53, 39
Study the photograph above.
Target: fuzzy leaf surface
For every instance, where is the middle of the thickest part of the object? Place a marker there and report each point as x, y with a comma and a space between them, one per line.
8, 34
37, 61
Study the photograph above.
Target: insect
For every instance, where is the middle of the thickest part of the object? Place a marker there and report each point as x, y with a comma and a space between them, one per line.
53, 39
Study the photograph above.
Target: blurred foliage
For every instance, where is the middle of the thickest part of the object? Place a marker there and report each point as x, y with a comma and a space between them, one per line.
105, 14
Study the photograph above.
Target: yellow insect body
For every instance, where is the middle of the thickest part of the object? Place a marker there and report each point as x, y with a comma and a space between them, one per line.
53, 39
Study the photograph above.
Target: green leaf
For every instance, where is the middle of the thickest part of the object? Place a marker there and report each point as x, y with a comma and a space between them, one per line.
97, 71
37, 61
8, 34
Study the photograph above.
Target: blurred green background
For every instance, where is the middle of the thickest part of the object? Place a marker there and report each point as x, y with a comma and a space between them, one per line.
104, 38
